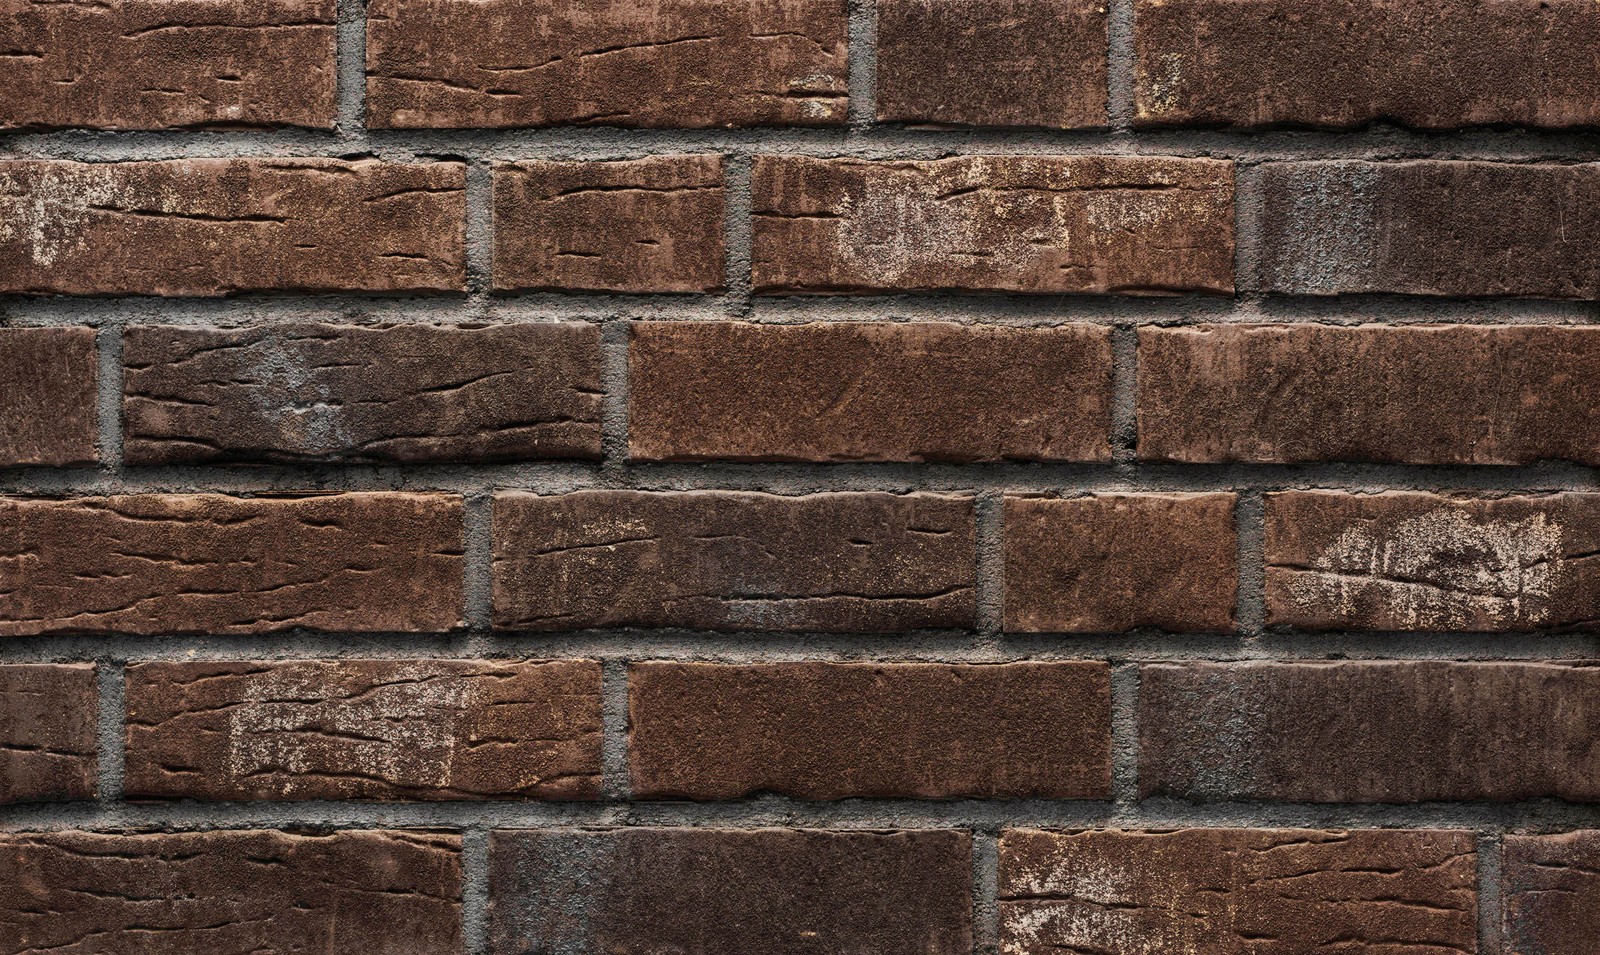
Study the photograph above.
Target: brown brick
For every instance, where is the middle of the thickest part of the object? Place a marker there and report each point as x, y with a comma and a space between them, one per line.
733, 560
164, 64
47, 405
1239, 891
842, 730
1434, 64
992, 62
683, 63
221, 226
777, 891
851, 391
1112, 562
1430, 228
993, 223
47, 732
1369, 732
206, 563
201, 893
1415, 561
405, 394
1452, 394
364, 729
1551, 888
645, 225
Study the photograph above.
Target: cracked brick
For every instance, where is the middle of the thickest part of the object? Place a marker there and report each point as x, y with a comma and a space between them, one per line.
47, 407
1551, 890
47, 732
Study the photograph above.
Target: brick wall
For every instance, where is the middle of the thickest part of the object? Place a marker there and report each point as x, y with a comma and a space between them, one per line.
496, 477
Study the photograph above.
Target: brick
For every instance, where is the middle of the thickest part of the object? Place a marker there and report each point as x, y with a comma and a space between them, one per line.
207, 563
1452, 394
682, 63
845, 730
200, 893
47, 407
1551, 892
166, 64
1417, 561
1113, 562
364, 729
779, 891
1238, 891
1430, 228
47, 732
207, 227
851, 391
992, 62
993, 223
644, 225
1434, 64
733, 560
1391, 732
403, 394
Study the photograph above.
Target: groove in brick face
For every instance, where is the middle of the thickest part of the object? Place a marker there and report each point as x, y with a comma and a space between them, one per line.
1552, 893
207, 227
405, 394
340, 893
208, 563
837, 731
700, 891
1391, 732
678, 63
1238, 891
166, 64
993, 223
364, 729
47, 732
47, 402
848, 391
734, 560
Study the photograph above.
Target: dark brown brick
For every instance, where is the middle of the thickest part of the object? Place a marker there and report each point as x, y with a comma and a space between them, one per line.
842, 730
1435, 64
1430, 228
47, 732
164, 64
206, 563
992, 62
1452, 394
850, 391
1112, 562
1416, 561
644, 225
698, 891
1551, 888
685, 63
220, 226
1369, 732
1239, 891
47, 405
405, 394
993, 223
201, 893
364, 729
733, 560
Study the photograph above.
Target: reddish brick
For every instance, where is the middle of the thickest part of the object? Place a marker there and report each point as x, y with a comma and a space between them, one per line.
849, 391
840, 730
47, 732
1551, 888
1113, 562
47, 407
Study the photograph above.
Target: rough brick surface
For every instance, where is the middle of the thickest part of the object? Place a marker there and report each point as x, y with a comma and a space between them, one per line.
1551, 890
1238, 891
206, 563
364, 729
47, 732
682, 63
779, 891
835, 730
733, 561
1112, 562
200, 893
47, 404
404, 394
219, 226
998, 223
849, 391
